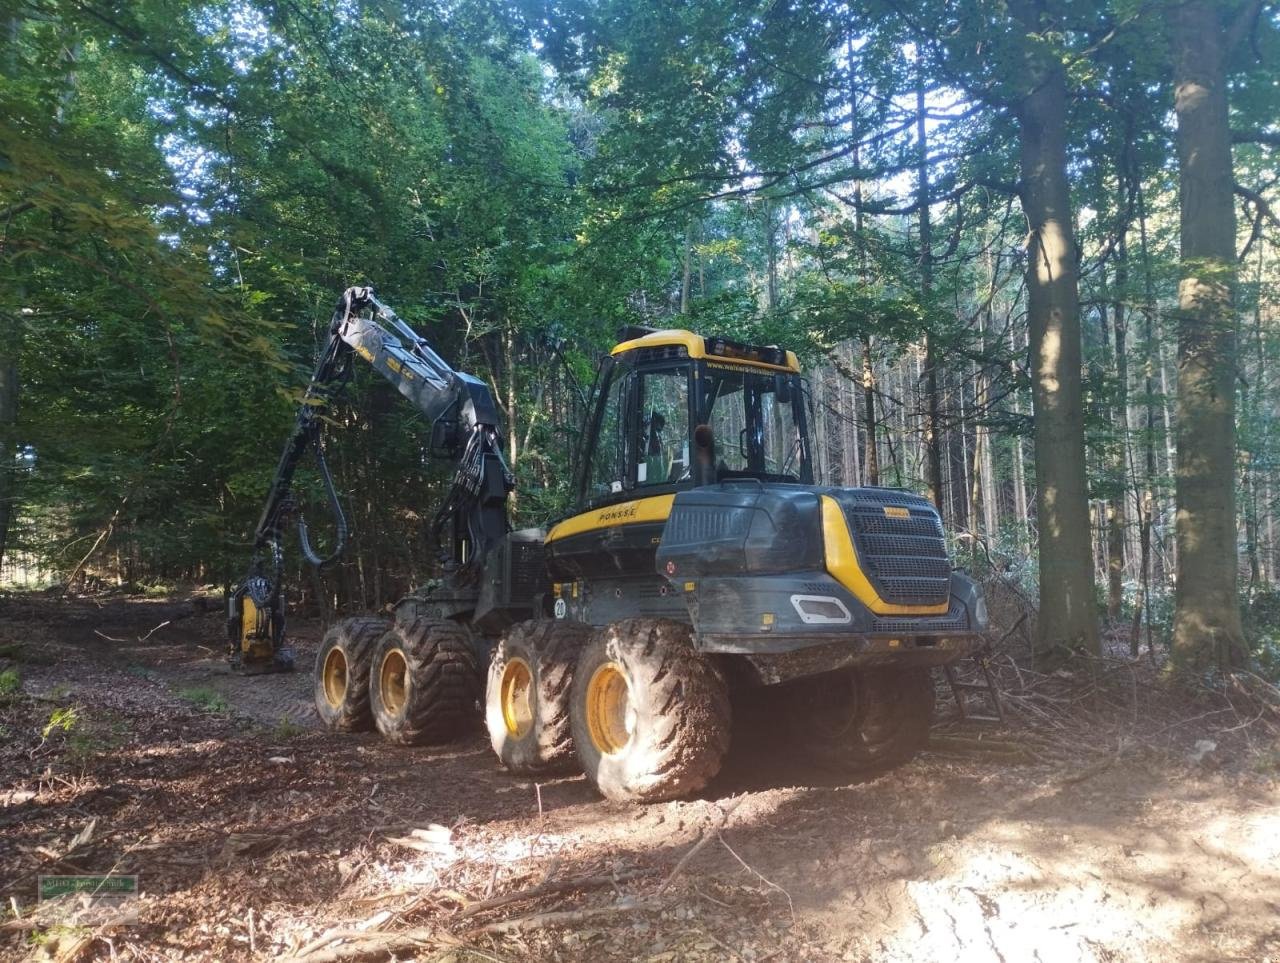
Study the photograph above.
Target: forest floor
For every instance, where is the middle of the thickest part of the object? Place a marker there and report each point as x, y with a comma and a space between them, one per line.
1106, 821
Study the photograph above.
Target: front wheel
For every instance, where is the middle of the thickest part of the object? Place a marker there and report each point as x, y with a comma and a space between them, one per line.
423, 683
649, 713
859, 721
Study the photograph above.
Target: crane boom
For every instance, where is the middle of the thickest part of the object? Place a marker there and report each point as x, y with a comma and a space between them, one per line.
464, 427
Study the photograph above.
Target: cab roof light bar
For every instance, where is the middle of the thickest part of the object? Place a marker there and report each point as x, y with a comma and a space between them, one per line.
726, 348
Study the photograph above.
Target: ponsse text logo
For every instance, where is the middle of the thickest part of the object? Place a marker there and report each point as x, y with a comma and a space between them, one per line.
618, 514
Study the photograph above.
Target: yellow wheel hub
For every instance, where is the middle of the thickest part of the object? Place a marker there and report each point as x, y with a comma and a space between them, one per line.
609, 717
333, 676
393, 681
516, 693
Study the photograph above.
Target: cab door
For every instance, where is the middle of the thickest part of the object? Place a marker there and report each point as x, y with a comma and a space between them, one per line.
636, 456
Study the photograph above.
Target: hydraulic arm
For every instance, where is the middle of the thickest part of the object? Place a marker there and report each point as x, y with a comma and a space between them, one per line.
464, 428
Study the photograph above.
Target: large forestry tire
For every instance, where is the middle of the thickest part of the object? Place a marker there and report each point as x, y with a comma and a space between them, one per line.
423, 684
527, 695
649, 714
859, 721
342, 673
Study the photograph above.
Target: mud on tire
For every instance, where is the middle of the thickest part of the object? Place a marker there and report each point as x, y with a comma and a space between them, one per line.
423, 683
859, 721
649, 714
342, 673
527, 695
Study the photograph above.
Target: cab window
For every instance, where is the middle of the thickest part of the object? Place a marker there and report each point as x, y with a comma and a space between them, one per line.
608, 461
662, 445
643, 435
757, 424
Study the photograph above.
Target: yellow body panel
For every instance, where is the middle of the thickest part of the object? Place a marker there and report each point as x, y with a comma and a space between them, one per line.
842, 563
653, 509
252, 643
697, 348
248, 624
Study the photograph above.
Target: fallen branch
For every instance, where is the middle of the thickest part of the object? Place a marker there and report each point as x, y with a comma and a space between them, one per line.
1088, 772
544, 889
760, 876
155, 630
105, 534
697, 847
368, 945
368, 930
568, 917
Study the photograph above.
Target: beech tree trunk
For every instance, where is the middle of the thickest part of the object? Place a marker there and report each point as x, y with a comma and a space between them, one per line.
1068, 617
1206, 628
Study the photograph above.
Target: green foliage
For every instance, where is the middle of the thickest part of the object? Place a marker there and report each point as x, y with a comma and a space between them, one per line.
210, 700
10, 683
1262, 625
84, 738
286, 729
63, 719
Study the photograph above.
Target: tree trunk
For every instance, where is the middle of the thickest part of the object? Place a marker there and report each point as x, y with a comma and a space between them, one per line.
771, 257
849, 390
1019, 466
1068, 620
1116, 514
932, 438
11, 337
1206, 630
687, 279
869, 404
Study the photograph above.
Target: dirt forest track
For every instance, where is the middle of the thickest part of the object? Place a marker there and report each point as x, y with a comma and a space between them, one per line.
257, 836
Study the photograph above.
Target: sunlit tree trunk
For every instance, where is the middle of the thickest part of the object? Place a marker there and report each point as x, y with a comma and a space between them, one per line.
1068, 620
1207, 630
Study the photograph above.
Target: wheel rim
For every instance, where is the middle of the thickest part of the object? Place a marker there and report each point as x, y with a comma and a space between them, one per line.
838, 708
393, 681
609, 718
333, 677
516, 693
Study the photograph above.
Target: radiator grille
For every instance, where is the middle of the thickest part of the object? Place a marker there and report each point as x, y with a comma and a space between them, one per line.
904, 557
692, 524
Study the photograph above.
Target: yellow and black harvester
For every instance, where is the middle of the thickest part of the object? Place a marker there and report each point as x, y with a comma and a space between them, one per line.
704, 557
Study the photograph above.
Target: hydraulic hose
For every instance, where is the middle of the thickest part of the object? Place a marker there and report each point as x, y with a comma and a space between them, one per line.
340, 519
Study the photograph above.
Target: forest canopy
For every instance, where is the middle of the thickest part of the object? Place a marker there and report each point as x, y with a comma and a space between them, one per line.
1027, 251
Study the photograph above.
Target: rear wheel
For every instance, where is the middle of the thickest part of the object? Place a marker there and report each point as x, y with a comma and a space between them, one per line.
423, 682
859, 721
527, 696
649, 714
342, 673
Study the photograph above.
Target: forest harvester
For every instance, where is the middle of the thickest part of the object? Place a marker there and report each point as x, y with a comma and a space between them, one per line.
703, 560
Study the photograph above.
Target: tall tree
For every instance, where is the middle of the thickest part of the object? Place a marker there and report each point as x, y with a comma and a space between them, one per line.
1068, 617
1207, 629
